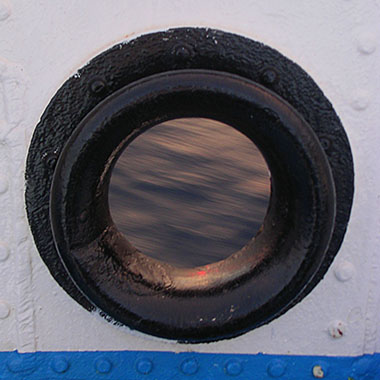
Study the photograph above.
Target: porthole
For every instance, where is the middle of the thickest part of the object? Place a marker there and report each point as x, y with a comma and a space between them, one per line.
128, 91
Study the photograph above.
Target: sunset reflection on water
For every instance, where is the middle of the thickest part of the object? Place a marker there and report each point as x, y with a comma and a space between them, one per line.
190, 191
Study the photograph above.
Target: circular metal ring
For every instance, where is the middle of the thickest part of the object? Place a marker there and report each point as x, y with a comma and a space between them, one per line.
218, 300
288, 90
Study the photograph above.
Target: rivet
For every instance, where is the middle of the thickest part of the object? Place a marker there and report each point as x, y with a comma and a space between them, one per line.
182, 51
144, 366
360, 101
103, 365
4, 251
320, 370
50, 159
233, 367
4, 310
15, 365
325, 142
3, 185
269, 76
60, 365
24, 363
361, 366
344, 271
276, 368
5, 10
366, 43
97, 86
337, 329
189, 366
83, 216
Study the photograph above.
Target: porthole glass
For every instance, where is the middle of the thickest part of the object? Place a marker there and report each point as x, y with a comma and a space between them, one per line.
190, 191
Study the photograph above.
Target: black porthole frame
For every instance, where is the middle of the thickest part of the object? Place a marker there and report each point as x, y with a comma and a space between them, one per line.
174, 50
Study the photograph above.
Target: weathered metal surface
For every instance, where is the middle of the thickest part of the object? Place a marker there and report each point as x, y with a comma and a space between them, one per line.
167, 365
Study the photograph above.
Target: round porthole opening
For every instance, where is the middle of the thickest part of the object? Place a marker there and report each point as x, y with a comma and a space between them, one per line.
72, 197
189, 191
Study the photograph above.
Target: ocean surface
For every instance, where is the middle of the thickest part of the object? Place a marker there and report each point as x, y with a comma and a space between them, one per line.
190, 191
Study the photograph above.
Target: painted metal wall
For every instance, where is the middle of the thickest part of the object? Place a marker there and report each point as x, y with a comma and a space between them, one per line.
42, 43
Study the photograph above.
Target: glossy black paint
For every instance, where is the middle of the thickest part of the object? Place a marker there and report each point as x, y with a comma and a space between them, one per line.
288, 121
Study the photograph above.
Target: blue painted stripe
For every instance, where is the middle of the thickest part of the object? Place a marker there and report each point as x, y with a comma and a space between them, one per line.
129, 365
